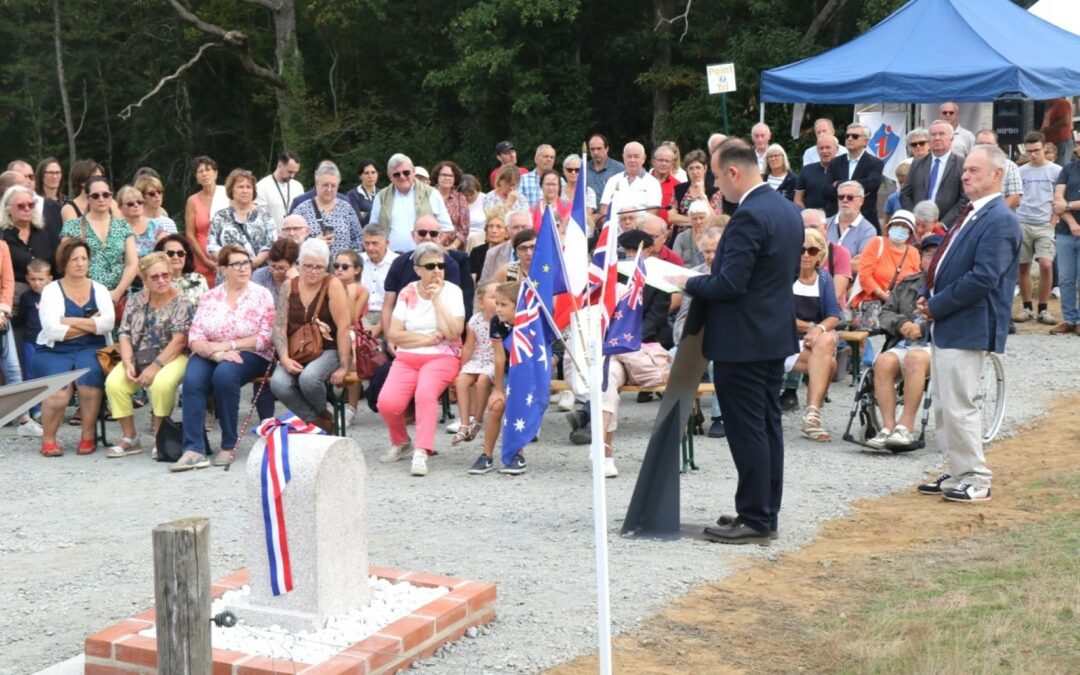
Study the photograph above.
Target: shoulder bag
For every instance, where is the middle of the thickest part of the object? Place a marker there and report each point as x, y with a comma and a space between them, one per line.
306, 344
867, 316
369, 353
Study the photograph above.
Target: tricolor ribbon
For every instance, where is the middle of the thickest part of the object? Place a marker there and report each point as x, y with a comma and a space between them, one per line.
274, 476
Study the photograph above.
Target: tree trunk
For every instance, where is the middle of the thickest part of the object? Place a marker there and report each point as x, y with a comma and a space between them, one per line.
661, 98
290, 66
68, 122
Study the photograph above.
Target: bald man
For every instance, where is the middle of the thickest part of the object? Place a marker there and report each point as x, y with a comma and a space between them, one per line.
632, 179
762, 136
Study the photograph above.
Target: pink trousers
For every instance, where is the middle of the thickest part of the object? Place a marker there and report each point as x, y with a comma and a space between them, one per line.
423, 377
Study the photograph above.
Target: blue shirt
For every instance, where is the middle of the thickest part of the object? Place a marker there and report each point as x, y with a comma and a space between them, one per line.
597, 179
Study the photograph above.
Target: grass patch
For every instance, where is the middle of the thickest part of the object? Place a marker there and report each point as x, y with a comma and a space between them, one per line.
1000, 602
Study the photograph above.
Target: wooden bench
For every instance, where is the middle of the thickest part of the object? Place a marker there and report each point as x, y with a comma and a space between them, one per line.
687, 444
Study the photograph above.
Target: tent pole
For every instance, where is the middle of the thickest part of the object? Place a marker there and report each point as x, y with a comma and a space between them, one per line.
761, 114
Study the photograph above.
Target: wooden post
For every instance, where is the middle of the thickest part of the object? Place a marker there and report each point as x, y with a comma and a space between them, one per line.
182, 596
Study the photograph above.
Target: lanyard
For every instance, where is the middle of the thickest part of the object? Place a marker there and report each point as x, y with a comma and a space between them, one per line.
286, 198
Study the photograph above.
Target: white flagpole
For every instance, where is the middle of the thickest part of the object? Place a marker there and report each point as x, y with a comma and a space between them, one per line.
603, 603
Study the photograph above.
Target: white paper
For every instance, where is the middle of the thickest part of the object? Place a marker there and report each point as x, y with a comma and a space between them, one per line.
656, 271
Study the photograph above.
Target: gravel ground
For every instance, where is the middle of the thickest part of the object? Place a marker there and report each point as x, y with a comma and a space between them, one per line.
75, 544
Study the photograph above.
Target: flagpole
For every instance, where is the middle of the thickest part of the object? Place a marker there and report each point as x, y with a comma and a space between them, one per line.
551, 321
603, 603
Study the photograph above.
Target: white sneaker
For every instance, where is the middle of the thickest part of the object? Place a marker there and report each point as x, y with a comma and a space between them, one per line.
419, 463
30, 428
878, 442
396, 453
350, 415
610, 470
900, 438
453, 427
1055, 292
566, 401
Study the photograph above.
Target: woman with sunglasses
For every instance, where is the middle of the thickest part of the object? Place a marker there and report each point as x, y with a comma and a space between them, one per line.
155, 324
524, 245
185, 279
230, 343
348, 268
426, 327
147, 232
76, 313
78, 203
22, 230
114, 259
319, 297
816, 316
571, 172
154, 194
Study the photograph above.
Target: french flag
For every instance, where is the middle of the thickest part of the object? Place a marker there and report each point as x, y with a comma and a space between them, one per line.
575, 256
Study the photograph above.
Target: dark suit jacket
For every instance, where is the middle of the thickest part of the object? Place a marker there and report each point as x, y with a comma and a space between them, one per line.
950, 197
973, 285
747, 301
867, 173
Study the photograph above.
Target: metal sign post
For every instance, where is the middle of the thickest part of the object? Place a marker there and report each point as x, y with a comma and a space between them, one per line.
721, 79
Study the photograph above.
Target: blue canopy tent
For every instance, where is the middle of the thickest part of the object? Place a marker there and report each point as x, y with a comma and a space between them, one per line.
935, 50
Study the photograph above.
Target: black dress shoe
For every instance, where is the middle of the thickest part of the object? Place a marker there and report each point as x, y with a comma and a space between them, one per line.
726, 520
789, 400
737, 533
717, 429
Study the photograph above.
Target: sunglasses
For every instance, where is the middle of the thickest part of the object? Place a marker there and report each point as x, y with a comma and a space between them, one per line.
572, 170
948, 112
176, 254
432, 266
811, 250
426, 233
25, 206
153, 193
401, 174
344, 266
132, 204
99, 195
847, 198
918, 144
159, 277
850, 136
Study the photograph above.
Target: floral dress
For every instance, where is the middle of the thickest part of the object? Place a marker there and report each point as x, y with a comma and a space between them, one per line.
192, 286
483, 356
144, 243
254, 235
148, 327
106, 257
254, 315
342, 219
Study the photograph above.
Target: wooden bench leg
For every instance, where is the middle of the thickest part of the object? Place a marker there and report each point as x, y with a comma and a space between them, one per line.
101, 424
447, 411
687, 446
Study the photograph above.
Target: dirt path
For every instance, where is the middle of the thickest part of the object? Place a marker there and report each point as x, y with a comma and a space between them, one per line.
765, 617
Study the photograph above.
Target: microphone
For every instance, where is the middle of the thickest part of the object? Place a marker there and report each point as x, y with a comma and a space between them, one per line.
645, 208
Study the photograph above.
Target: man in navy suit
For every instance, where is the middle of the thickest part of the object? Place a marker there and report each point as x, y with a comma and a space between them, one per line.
858, 165
749, 316
967, 296
941, 184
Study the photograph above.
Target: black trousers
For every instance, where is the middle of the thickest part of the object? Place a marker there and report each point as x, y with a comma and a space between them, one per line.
749, 395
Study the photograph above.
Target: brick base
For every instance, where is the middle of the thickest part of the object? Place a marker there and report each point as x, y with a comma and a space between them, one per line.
120, 650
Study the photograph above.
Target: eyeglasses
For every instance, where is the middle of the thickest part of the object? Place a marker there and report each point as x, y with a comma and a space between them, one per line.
426, 233
918, 144
328, 186
99, 195
526, 247
401, 174
24, 206
344, 266
240, 265
164, 276
314, 268
948, 112
571, 169
53, 173
176, 254
811, 250
432, 266
152, 193
135, 202
850, 136
847, 198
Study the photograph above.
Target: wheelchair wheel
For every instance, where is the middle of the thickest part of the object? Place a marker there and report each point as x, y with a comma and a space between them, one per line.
990, 398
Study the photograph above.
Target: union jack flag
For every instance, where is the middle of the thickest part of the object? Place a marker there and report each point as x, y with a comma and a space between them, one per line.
603, 276
624, 333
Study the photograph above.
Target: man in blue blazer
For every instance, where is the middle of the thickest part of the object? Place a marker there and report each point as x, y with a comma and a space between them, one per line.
967, 296
859, 165
749, 320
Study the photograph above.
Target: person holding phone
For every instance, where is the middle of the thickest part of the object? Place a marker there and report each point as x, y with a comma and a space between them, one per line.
329, 216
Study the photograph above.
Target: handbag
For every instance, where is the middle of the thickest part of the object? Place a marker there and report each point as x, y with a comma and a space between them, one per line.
647, 367
369, 353
306, 343
144, 357
108, 357
170, 441
867, 316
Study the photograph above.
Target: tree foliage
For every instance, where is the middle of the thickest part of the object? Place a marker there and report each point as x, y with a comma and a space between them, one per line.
435, 79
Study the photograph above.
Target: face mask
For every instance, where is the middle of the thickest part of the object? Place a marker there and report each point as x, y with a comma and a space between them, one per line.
899, 234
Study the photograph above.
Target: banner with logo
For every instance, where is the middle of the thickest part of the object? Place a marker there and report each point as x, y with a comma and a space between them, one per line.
887, 132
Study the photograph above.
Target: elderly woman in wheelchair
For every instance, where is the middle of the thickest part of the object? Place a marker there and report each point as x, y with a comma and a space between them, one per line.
906, 354
816, 316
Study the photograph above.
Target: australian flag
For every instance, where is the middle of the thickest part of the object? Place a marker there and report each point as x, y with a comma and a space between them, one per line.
528, 383
624, 332
546, 270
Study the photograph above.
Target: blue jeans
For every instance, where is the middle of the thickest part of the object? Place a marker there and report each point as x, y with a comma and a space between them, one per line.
224, 380
28, 351
1068, 261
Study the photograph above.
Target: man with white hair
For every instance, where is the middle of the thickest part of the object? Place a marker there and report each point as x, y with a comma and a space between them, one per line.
714, 142
663, 161
813, 181
858, 165
633, 179
848, 227
295, 227
399, 205
822, 127
762, 137
529, 187
963, 140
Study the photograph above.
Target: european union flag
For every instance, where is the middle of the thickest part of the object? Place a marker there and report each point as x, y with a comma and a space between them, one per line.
528, 384
546, 269
624, 333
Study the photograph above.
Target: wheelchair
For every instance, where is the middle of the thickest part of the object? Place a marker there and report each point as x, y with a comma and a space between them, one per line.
990, 399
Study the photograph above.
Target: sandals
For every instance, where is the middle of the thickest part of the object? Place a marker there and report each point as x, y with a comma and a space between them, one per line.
811, 426
466, 432
86, 447
51, 450
190, 460
225, 457
126, 446
75, 420
474, 430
